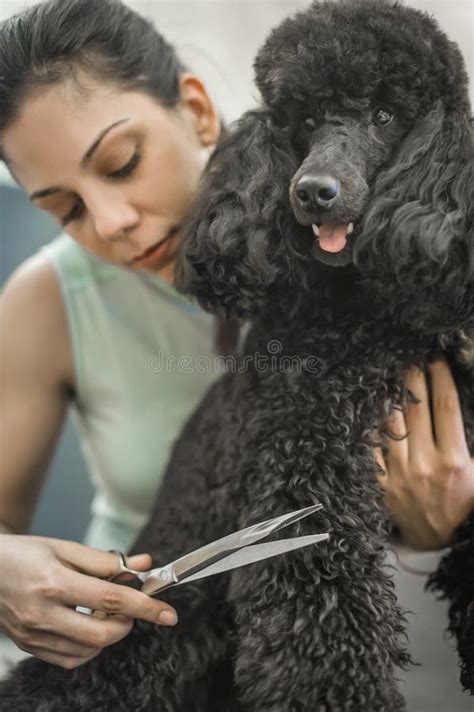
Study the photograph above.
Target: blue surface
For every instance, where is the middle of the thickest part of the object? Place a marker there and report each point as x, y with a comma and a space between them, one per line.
64, 503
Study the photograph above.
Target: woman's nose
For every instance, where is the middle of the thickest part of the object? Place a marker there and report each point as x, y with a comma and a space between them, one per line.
113, 220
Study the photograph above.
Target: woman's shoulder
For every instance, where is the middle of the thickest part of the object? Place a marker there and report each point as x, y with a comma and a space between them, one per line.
32, 279
31, 303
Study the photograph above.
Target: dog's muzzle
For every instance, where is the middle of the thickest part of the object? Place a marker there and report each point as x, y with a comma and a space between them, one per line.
318, 202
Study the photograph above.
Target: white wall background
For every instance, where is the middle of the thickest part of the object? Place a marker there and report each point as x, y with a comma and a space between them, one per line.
219, 38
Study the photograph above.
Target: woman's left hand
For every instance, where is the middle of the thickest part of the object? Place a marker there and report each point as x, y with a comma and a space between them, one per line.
428, 477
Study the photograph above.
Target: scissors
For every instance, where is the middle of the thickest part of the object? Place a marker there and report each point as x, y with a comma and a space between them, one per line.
229, 552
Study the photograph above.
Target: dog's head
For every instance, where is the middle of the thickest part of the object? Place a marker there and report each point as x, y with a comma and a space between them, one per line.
361, 154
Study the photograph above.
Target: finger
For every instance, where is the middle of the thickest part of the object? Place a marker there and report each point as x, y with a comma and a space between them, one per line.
142, 562
94, 561
61, 645
82, 590
418, 417
88, 633
382, 474
379, 458
99, 614
65, 661
447, 414
397, 456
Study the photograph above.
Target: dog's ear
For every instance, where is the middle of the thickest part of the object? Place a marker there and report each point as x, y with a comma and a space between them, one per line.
419, 226
232, 253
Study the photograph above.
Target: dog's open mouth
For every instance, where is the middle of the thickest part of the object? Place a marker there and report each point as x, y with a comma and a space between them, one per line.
333, 237
333, 244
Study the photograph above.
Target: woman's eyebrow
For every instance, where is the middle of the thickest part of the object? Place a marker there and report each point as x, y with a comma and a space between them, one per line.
44, 192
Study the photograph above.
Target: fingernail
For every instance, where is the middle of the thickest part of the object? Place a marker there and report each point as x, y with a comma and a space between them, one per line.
167, 618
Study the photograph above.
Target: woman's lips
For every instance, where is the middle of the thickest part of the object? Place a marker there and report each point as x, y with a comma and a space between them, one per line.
157, 252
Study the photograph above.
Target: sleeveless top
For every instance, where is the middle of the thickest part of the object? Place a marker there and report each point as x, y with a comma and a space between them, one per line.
143, 359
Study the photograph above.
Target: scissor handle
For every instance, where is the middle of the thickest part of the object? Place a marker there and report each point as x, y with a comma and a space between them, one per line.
149, 583
123, 574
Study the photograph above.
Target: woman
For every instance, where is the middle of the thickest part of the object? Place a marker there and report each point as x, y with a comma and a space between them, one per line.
105, 129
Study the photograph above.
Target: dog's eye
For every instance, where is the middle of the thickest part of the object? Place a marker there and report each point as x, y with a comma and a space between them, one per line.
382, 116
308, 123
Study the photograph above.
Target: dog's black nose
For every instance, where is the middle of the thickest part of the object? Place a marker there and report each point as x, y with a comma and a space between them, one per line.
322, 190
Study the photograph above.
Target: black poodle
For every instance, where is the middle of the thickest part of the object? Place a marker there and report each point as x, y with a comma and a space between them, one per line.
336, 219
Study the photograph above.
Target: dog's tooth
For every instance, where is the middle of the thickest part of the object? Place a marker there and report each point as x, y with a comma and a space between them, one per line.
350, 228
315, 229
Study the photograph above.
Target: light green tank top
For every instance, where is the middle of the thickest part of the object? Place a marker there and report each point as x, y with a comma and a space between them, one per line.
143, 358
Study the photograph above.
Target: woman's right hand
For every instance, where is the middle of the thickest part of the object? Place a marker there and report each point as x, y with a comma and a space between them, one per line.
43, 580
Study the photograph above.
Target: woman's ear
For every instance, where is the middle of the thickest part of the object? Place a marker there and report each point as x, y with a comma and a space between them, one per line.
232, 248
195, 99
418, 230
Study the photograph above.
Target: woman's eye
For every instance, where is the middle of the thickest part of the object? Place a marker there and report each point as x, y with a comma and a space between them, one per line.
128, 168
73, 214
308, 123
382, 117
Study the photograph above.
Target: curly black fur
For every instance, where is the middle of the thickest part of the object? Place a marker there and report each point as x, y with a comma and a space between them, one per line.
332, 336
455, 578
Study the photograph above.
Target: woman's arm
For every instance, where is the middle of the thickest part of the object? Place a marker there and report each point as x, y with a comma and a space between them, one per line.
428, 476
36, 381
44, 579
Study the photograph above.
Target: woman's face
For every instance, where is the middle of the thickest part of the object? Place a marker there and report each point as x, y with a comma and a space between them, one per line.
115, 168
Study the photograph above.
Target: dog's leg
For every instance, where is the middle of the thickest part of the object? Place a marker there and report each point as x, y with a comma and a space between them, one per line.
154, 668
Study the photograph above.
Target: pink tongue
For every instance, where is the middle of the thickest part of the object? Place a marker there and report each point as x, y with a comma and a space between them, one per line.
332, 238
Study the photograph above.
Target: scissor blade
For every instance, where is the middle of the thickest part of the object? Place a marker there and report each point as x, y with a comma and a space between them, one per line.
196, 560
256, 552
